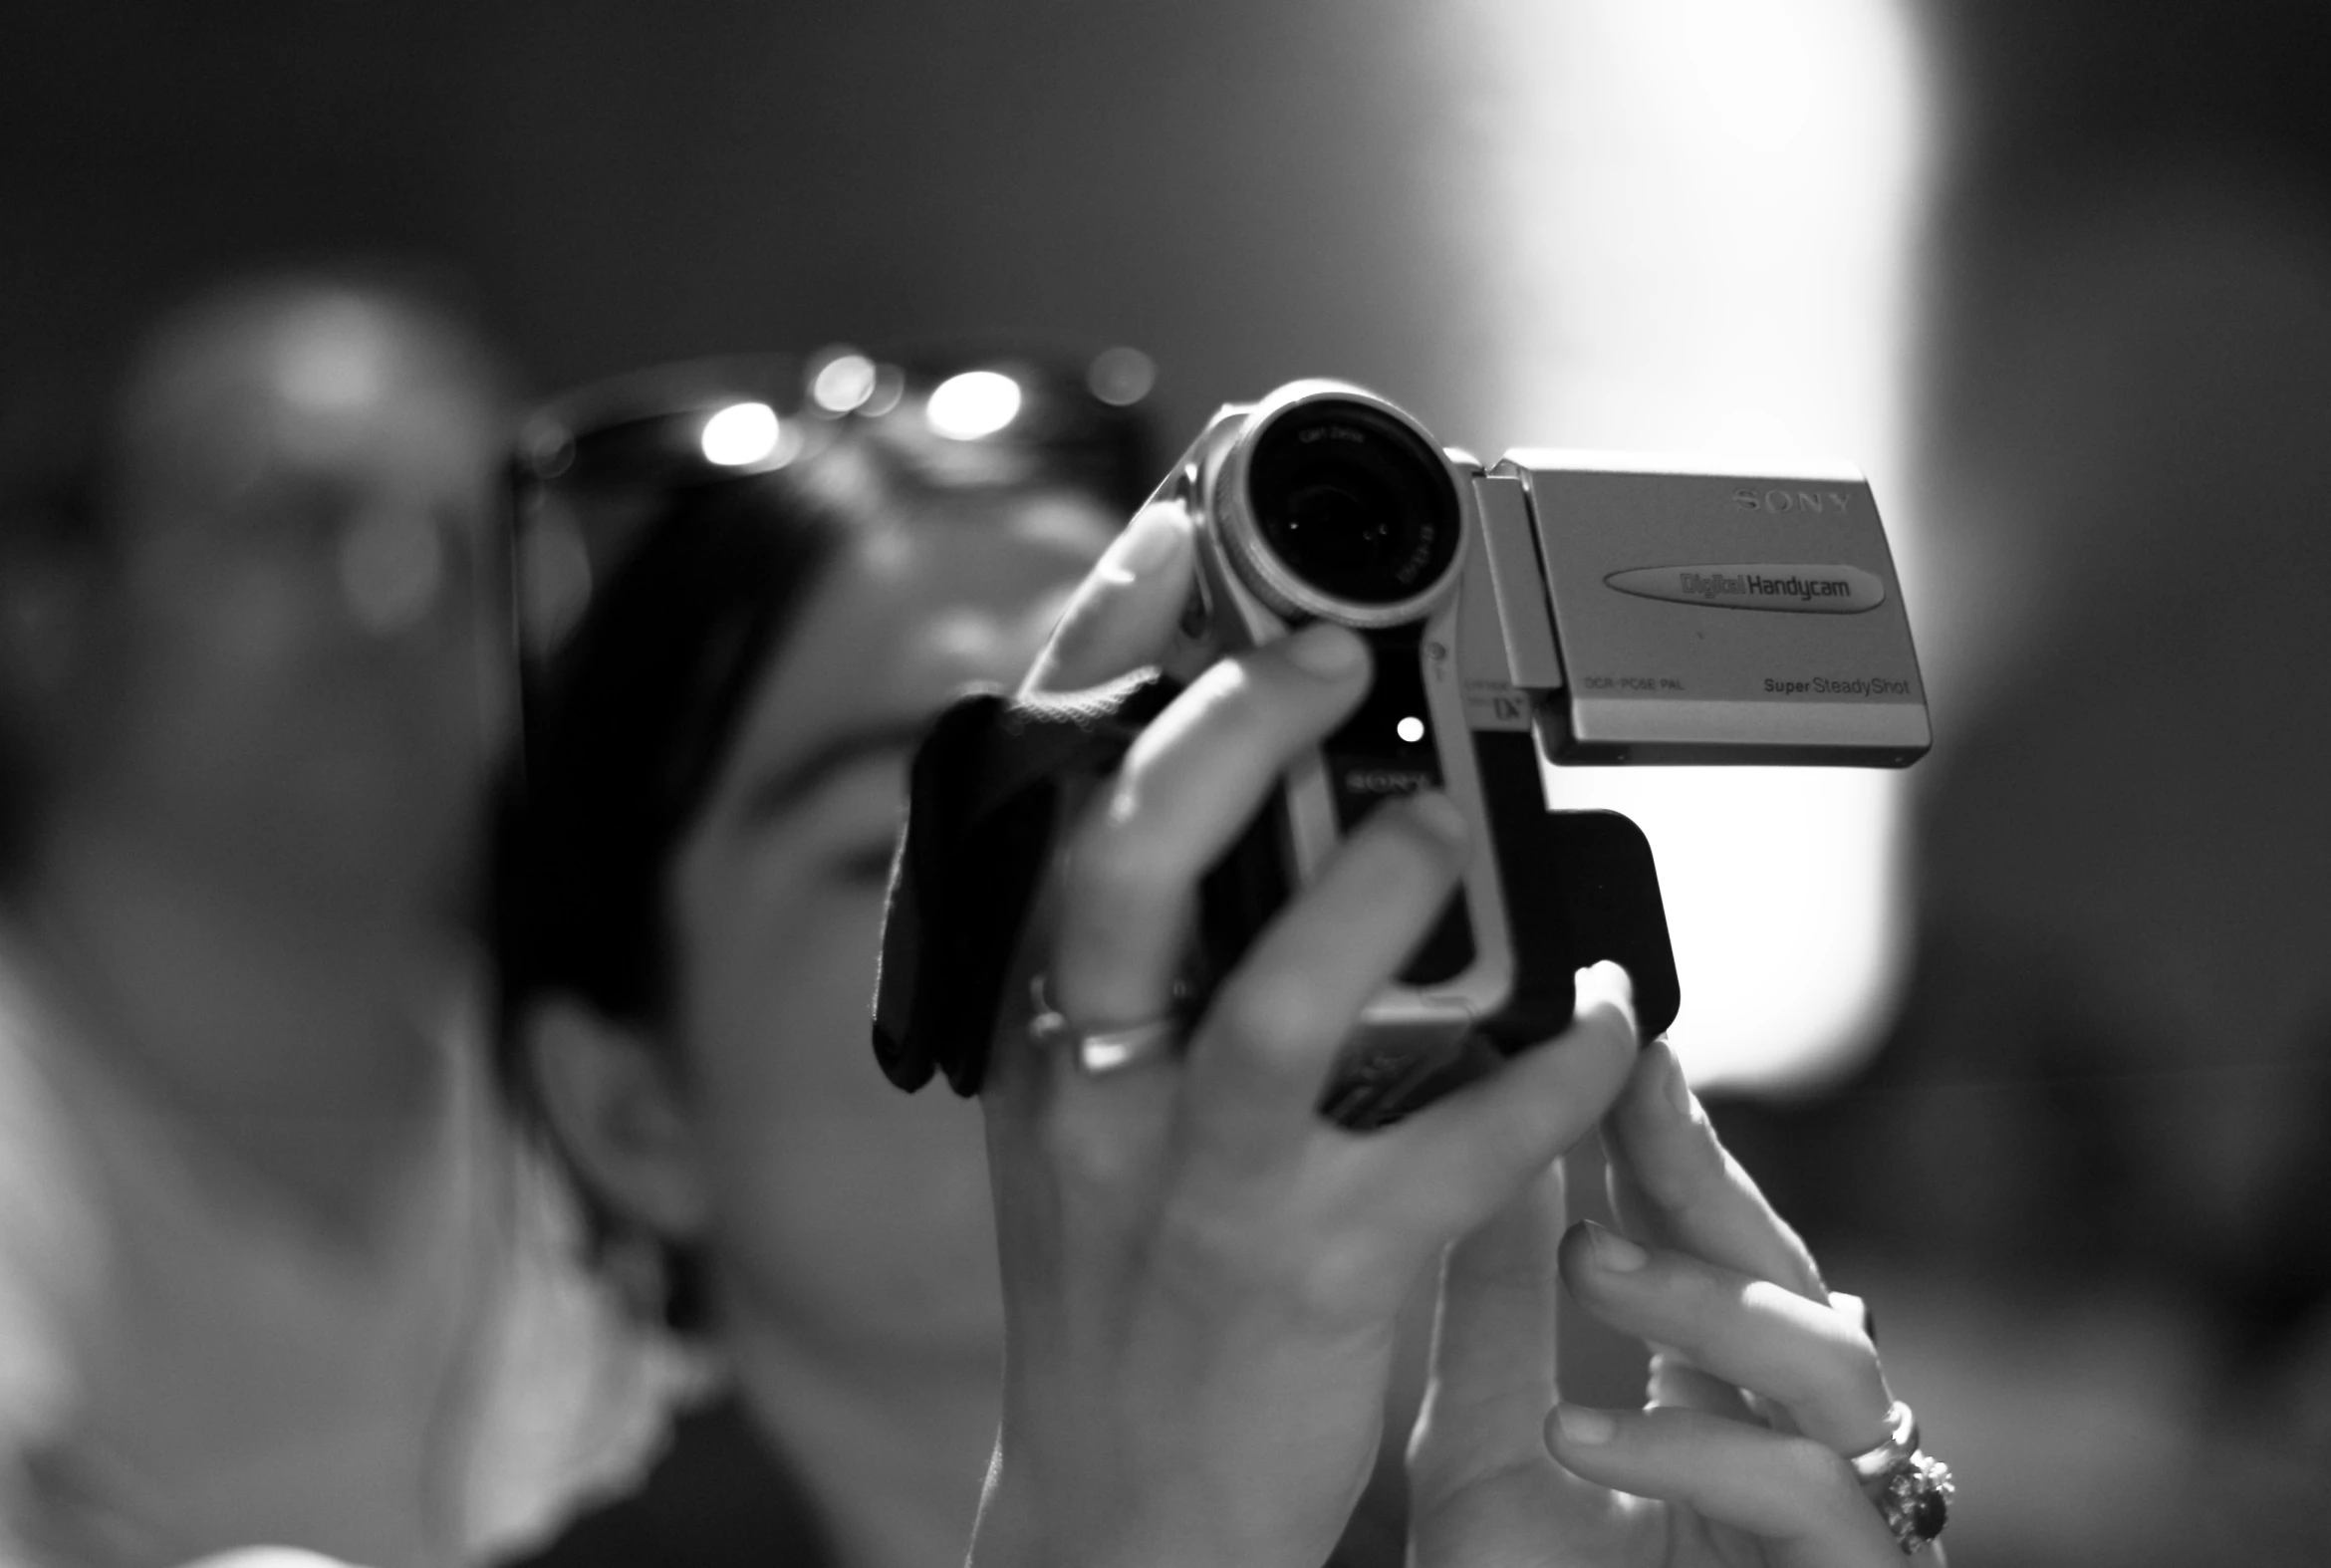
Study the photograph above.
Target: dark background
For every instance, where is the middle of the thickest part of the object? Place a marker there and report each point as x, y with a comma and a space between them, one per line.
623, 184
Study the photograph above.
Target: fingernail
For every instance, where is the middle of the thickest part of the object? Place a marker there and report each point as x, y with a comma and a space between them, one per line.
1147, 543
1440, 816
1326, 649
1579, 1423
1614, 1252
1604, 982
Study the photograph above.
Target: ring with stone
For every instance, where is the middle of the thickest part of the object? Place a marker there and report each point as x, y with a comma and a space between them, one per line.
1910, 1488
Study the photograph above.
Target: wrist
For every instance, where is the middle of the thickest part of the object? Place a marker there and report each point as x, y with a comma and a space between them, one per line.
1019, 1526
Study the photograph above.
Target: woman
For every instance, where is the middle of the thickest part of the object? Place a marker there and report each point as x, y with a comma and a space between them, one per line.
1199, 1279
715, 757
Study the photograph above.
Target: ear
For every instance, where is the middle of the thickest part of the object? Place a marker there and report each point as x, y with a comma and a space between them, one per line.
616, 1108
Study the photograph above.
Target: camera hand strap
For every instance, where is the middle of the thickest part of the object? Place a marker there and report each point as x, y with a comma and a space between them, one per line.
984, 799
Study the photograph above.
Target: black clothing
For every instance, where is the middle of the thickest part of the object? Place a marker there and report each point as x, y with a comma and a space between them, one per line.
720, 1497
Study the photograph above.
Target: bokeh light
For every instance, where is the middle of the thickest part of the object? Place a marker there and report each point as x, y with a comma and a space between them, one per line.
842, 383
973, 404
742, 435
1122, 377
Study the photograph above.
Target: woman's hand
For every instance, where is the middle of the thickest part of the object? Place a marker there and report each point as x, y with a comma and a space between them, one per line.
1760, 1384
1201, 1276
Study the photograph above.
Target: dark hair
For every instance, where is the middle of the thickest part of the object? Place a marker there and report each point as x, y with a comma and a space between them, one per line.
629, 725
625, 735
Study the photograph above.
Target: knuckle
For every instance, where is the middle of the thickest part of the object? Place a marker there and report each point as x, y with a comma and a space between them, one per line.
1211, 1244
1204, 1247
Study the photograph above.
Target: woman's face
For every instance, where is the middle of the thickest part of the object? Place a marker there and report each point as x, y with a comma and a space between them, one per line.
840, 1211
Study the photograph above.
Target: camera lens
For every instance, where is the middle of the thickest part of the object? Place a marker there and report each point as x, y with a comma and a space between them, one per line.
1354, 502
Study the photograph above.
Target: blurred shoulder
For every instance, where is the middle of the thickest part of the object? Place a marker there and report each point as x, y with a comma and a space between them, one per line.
47, 1224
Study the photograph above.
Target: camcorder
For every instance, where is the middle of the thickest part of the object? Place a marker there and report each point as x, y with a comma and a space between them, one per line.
1578, 608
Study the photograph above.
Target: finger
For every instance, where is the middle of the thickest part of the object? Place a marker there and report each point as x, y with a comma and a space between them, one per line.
1675, 1381
1188, 788
1673, 1185
1491, 1376
1123, 615
1450, 1165
1749, 1332
1278, 1023
1795, 1494
1091, 1135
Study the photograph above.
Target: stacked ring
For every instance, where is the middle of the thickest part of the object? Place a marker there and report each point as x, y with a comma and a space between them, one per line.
1911, 1490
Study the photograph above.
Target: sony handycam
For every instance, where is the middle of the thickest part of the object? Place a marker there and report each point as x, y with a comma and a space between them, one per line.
1587, 607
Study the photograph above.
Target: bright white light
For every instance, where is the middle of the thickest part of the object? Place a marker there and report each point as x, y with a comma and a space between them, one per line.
740, 435
973, 404
847, 381
1692, 219
1411, 729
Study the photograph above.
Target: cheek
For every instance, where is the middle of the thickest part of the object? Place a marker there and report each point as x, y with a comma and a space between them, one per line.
838, 1203
773, 996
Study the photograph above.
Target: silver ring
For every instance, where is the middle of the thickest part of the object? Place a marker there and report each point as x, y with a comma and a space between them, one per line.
1873, 1465
1100, 1052
1910, 1488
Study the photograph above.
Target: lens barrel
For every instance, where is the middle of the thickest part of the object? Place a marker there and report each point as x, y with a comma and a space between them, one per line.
1354, 514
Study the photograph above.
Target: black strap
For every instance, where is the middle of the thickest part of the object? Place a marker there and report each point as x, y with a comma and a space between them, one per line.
984, 800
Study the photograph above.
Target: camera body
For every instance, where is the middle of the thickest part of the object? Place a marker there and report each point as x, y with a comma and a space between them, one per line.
1587, 607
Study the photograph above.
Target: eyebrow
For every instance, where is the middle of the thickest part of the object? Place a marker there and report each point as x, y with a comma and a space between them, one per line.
788, 787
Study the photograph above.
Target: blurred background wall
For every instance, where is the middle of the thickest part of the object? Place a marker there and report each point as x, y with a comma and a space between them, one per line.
1656, 225
2058, 272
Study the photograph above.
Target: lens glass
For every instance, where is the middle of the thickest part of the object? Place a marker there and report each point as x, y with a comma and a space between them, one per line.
1354, 502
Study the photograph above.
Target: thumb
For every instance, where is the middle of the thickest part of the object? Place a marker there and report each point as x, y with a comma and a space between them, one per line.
1123, 615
